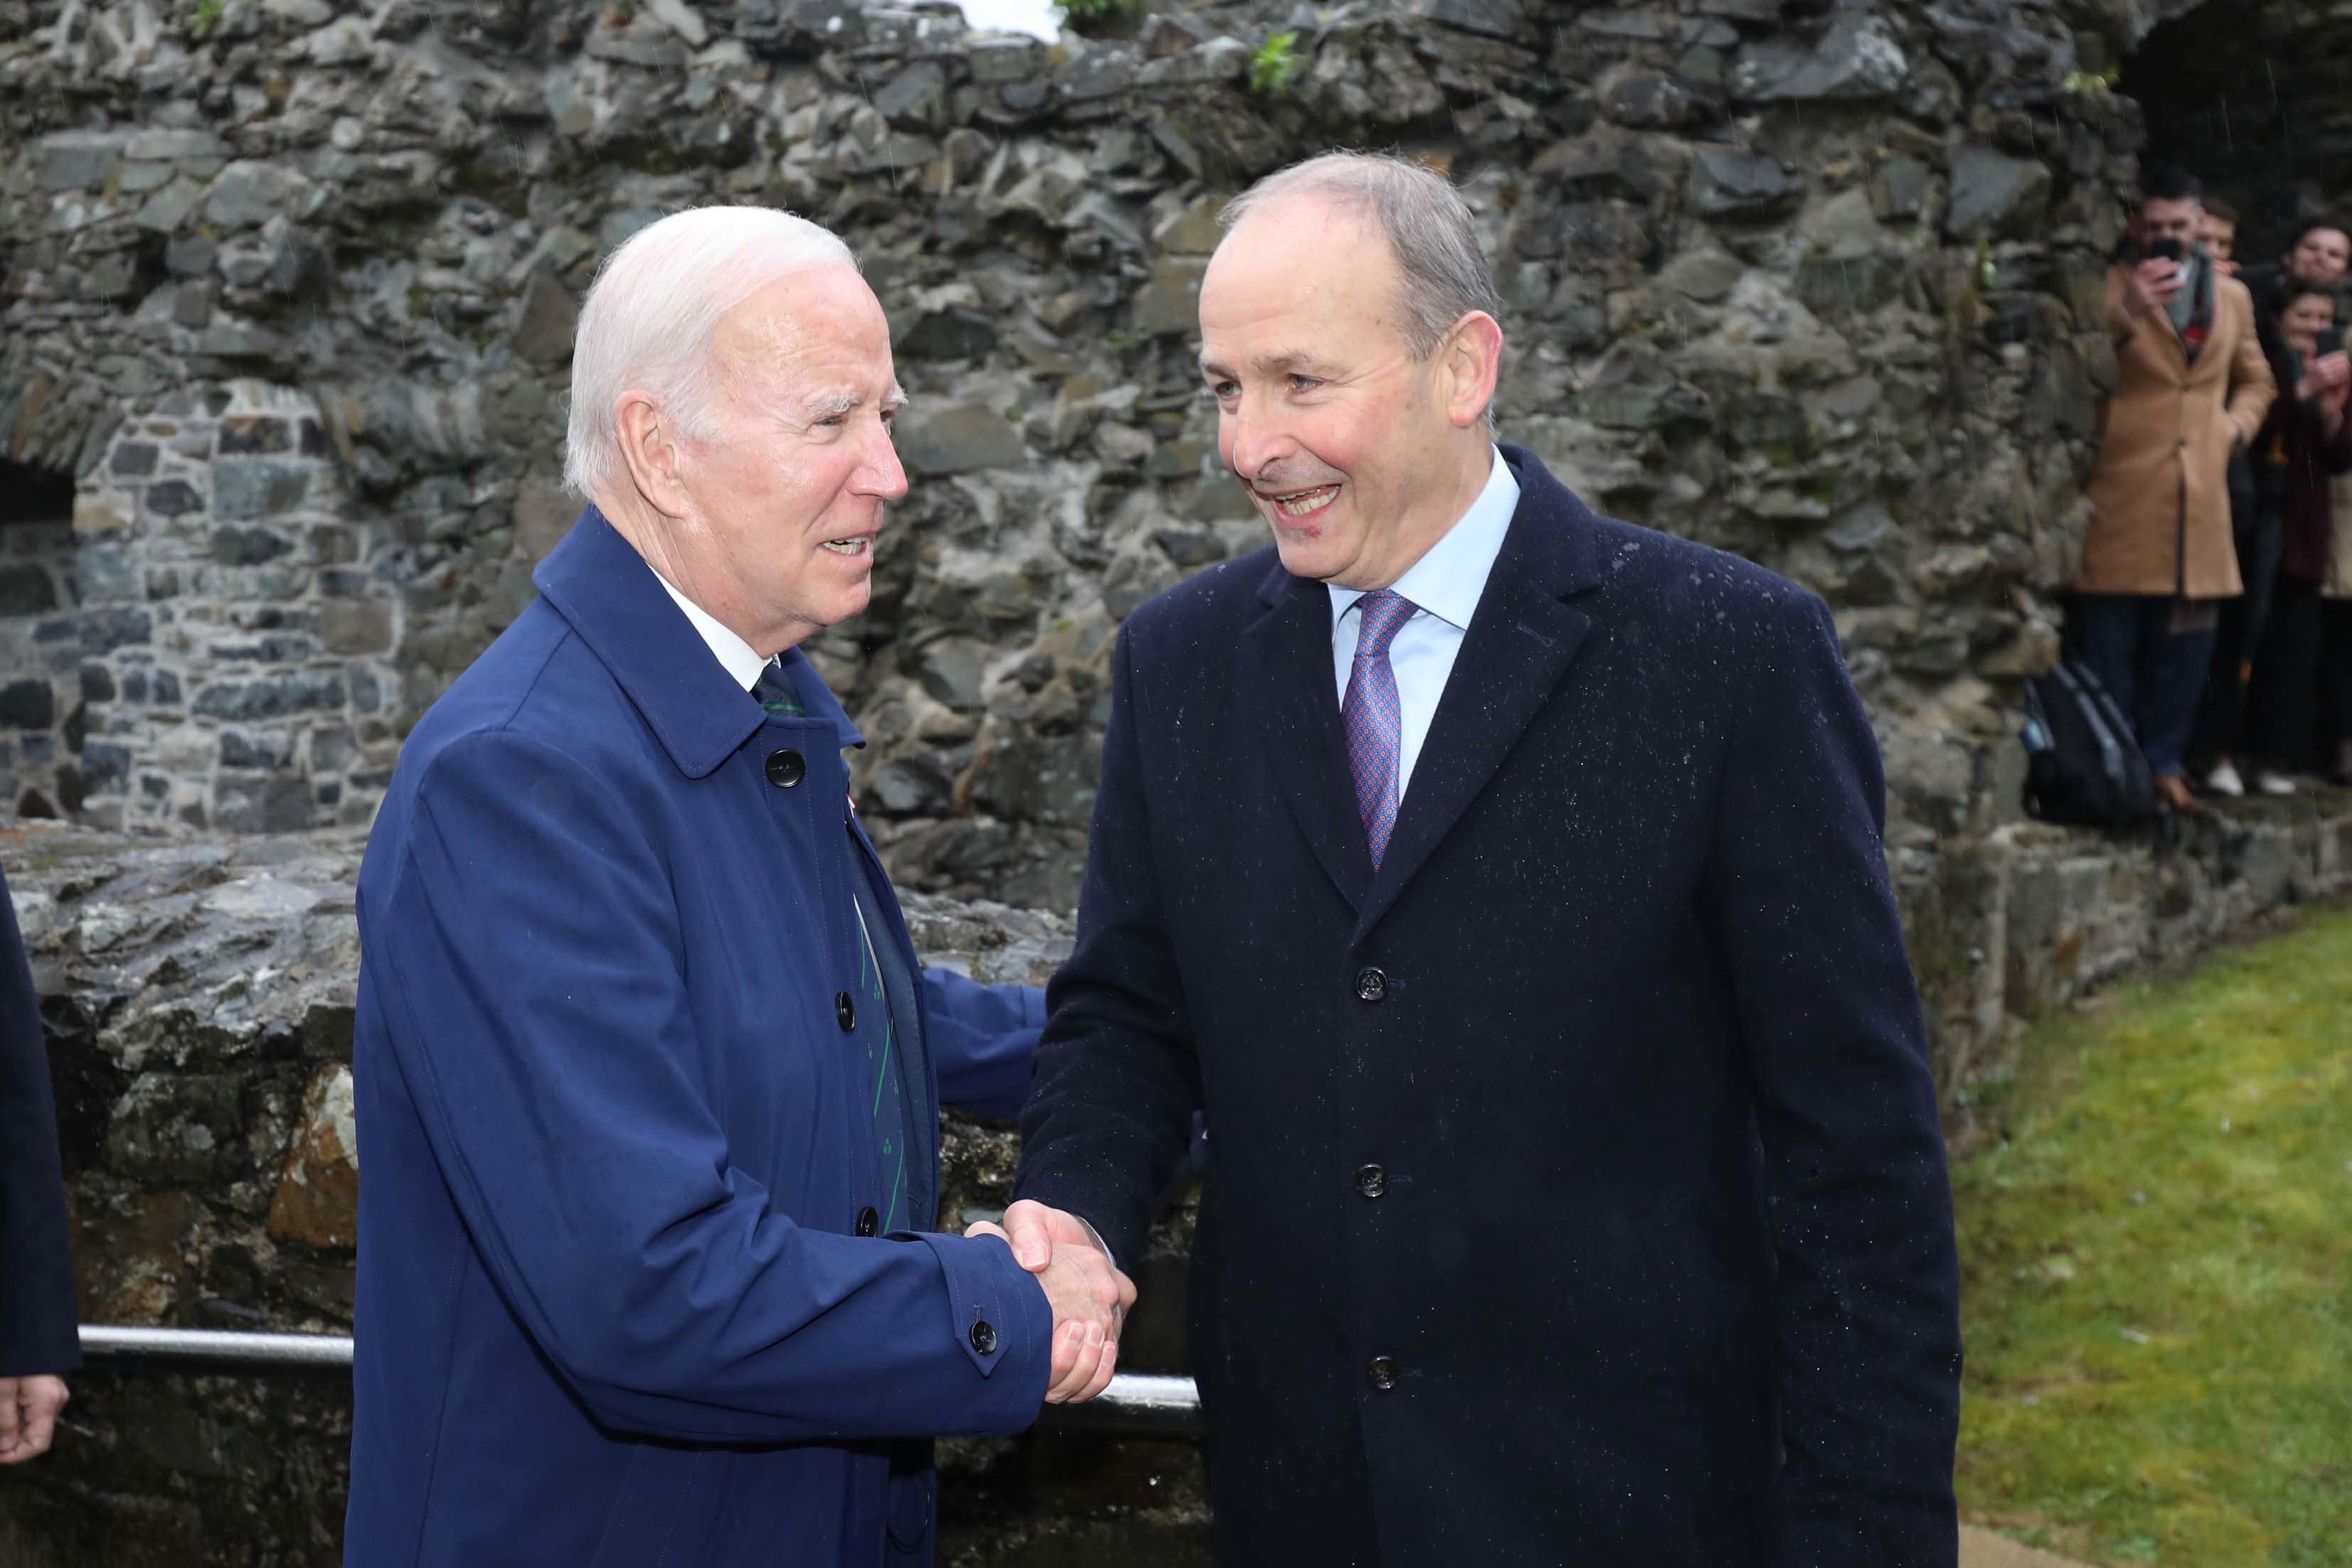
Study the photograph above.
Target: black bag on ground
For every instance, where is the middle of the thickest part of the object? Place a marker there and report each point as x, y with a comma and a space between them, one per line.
2082, 764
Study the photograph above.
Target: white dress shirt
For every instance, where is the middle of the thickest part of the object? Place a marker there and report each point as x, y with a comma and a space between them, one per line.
1443, 587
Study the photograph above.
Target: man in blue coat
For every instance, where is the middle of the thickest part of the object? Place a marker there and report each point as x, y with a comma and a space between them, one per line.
1506, 883
648, 1078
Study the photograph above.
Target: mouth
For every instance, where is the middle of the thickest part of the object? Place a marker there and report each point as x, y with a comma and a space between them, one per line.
1302, 503
855, 545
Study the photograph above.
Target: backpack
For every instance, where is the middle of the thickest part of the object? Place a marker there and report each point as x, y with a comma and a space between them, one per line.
2082, 764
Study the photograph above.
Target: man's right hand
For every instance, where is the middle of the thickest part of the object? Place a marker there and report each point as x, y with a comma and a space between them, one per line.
1090, 1295
29, 1416
2152, 286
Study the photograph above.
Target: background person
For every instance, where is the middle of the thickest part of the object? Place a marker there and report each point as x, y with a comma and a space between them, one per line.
2192, 386
37, 1340
2217, 231
1575, 1192
2303, 445
647, 1078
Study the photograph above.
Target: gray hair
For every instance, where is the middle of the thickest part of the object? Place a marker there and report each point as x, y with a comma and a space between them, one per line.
650, 314
1426, 223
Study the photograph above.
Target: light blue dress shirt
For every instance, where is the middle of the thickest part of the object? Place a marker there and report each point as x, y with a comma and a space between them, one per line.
1443, 585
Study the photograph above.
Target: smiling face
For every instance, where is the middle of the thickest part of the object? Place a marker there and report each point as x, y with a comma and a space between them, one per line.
768, 519
2304, 320
1359, 455
2320, 256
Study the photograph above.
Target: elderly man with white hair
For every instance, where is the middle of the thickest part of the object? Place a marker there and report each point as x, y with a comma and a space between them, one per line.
647, 1074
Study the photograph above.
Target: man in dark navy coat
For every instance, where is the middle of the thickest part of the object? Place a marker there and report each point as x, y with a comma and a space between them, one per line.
1506, 884
38, 1342
647, 1078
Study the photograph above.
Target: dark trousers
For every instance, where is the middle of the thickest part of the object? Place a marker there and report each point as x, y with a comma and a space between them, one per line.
2154, 673
2336, 677
2259, 536
2286, 677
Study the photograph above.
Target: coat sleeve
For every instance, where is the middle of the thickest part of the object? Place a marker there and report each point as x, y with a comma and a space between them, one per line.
2122, 325
983, 1040
1868, 1293
527, 946
1117, 1080
36, 1283
2252, 385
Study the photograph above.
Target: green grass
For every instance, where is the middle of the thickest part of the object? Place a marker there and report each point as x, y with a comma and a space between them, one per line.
2158, 1269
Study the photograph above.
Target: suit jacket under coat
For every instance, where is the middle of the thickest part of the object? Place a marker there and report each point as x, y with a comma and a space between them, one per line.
612, 1306
1625, 1023
36, 1283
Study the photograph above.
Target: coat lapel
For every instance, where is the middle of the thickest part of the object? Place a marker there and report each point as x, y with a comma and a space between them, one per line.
1519, 645
1298, 715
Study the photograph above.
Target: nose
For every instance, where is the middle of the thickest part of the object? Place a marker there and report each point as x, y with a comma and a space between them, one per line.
883, 475
1252, 437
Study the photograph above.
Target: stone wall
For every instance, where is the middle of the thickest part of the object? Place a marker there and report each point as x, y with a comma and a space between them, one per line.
1807, 281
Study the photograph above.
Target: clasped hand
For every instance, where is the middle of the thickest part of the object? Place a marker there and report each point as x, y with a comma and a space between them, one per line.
1089, 1295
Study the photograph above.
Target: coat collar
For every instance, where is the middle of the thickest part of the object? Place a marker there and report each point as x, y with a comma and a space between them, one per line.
604, 591
1519, 644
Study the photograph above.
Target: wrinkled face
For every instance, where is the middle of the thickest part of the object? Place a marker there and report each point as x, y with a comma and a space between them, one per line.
2307, 319
2220, 237
790, 488
2160, 219
1342, 436
2321, 257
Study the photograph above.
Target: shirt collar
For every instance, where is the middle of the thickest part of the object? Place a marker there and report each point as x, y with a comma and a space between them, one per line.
1451, 576
734, 655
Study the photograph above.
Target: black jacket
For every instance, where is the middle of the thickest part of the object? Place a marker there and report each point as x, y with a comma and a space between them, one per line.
1579, 1163
37, 1286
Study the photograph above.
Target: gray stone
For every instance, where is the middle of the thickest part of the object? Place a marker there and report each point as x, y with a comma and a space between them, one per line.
245, 489
1855, 58
103, 573
249, 546
545, 324
957, 439
249, 192
1898, 186
917, 96
77, 160
1171, 302
272, 697
271, 803
173, 497
1726, 181
355, 625
1994, 195
27, 591
1704, 275
264, 753
949, 334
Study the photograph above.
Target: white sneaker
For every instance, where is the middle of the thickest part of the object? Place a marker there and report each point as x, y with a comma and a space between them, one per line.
2270, 781
2224, 780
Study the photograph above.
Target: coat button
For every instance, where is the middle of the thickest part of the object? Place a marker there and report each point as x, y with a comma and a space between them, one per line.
845, 1010
1382, 1373
983, 1337
786, 768
869, 1221
1371, 1180
1371, 986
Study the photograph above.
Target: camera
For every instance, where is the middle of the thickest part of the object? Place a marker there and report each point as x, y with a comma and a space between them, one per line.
2167, 246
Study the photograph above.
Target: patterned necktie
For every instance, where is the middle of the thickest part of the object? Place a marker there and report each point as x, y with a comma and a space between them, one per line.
776, 694
1373, 717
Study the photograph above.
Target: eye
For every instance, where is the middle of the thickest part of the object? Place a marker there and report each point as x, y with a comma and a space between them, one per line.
1304, 382
1223, 391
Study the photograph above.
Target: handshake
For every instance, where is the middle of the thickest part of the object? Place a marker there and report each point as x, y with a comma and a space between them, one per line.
1088, 1293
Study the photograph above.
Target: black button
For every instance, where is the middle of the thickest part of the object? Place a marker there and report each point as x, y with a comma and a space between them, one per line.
983, 1337
1371, 1180
845, 1010
786, 768
1382, 1373
869, 1221
1371, 986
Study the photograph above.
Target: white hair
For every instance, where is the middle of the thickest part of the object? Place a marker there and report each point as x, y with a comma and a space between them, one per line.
650, 314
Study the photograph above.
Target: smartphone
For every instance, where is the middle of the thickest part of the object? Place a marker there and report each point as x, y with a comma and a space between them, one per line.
2165, 246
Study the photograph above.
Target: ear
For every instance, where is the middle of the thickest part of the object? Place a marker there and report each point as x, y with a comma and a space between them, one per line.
649, 442
1470, 360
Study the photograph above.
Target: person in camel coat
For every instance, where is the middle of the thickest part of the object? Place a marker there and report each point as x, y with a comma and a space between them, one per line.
2192, 386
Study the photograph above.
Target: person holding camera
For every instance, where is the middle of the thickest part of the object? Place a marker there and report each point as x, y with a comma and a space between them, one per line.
2192, 387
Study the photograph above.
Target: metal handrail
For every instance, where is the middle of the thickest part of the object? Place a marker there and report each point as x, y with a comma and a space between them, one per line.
1140, 1404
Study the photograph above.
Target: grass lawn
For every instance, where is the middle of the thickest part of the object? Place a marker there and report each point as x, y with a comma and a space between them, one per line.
2158, 1270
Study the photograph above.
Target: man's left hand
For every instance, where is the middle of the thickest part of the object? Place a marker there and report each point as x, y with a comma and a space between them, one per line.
28, 1416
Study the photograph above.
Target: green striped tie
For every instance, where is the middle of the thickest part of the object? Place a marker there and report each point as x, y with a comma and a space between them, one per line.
776, 694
